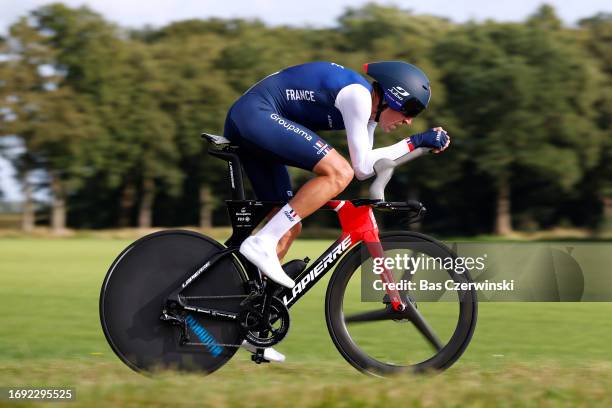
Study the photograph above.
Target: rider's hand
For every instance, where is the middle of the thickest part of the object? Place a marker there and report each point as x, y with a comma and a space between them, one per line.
447, 142
437, 139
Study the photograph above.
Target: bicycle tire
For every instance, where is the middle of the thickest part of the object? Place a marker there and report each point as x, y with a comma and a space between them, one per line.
133, 296
361, 360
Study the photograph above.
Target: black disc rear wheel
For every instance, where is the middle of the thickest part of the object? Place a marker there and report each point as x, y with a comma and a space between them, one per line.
431, 335
134, 293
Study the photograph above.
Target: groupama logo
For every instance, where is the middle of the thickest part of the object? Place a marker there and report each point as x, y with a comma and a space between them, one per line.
290, 126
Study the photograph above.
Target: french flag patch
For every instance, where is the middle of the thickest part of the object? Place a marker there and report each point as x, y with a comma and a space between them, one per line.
410, 145
291, 215
321, 147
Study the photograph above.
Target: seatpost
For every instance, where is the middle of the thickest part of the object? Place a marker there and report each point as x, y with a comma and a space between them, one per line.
234, 169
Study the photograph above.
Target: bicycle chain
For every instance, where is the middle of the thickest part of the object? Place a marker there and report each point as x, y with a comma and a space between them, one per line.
212, 344
248, 297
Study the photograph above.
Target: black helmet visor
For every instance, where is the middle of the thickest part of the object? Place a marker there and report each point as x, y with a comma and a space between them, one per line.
412, 107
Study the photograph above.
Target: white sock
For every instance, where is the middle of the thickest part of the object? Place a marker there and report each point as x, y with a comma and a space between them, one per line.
278, 225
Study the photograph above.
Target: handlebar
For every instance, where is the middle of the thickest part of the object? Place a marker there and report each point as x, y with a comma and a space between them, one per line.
384, 169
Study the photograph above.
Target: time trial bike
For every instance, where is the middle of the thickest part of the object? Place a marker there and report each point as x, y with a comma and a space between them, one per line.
177, 299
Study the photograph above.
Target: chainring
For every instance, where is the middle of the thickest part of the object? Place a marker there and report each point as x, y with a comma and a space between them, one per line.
265, 333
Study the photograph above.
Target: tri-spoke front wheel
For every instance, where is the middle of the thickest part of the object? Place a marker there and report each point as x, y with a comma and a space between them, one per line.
430, 334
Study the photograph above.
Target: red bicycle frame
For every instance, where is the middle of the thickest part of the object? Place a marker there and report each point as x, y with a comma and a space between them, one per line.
358, 224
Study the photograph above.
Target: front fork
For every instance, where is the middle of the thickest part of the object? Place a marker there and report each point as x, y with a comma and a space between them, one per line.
360, 224
372, 242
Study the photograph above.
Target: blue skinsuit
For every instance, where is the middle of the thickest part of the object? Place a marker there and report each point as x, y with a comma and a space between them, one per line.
274, 123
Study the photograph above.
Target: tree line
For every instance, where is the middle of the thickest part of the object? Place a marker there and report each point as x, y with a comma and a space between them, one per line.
109, 118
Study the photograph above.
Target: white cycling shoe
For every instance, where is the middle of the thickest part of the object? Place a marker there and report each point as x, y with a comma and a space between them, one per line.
269, 353
263, 255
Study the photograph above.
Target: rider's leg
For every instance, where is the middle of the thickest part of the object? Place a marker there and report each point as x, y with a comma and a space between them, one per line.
333, 174
285, 242
271, 141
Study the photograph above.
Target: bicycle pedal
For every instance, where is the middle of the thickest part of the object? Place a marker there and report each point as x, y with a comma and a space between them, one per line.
258, 357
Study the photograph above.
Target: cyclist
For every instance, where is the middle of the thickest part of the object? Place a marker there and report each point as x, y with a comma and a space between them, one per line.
274, 123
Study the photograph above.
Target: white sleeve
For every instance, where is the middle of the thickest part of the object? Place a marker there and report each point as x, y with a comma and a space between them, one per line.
355, 103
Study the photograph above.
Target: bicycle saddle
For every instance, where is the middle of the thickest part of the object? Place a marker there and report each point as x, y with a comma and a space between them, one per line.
216, 140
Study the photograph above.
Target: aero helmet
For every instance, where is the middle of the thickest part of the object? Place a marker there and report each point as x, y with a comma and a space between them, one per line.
406, 87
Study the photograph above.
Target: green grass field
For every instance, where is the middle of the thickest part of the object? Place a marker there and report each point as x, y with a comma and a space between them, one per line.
522, 354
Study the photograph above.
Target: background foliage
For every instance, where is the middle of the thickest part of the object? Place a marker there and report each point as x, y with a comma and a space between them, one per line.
109, 118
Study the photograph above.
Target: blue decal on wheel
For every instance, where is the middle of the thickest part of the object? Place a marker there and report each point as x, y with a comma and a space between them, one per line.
204, 336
